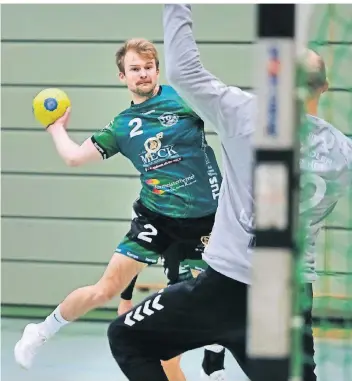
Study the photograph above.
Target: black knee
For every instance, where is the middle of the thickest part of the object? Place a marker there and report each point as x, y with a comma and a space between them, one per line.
131, 354
118, 341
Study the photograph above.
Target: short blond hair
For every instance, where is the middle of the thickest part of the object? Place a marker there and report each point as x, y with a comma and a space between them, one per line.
141, 46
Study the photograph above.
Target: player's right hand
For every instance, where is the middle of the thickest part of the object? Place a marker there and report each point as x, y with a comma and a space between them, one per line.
62, 122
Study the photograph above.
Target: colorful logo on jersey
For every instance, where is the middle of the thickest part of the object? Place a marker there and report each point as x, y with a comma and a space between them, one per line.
168, 119
153, 145
159, 188
156, 155
154, 183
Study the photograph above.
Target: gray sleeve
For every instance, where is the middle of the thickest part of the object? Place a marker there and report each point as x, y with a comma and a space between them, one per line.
229, 109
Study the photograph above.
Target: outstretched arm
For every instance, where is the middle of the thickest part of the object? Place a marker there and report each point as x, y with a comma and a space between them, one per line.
207, 95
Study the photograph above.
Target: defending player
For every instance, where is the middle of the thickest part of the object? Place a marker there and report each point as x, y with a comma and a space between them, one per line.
213, 364
180, 179
327, 172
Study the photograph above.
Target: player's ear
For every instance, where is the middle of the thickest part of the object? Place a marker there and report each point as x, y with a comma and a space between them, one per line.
122, 77
157, 71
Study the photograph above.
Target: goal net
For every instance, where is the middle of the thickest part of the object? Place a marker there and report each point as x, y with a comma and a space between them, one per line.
329, 33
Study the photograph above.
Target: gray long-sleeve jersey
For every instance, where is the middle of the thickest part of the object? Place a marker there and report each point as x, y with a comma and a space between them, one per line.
232, 112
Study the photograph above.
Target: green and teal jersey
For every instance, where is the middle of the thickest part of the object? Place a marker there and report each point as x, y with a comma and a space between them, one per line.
165, 141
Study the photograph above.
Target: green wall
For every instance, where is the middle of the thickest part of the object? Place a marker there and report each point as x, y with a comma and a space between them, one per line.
59, 224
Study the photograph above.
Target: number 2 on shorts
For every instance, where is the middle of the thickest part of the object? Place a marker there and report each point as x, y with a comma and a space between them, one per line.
146, 235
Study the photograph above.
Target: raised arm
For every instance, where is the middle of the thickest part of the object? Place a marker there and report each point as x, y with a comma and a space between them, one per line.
207, 95
97, 147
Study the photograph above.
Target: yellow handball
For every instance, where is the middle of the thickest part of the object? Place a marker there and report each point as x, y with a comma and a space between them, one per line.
50, 105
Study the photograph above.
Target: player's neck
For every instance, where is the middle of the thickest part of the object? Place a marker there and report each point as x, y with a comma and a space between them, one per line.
312, 106
137, 99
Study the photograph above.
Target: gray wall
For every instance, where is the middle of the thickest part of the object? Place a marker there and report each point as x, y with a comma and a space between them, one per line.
60, 225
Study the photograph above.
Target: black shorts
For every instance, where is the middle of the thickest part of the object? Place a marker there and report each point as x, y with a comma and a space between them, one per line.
211, 309
153, 236
182, 317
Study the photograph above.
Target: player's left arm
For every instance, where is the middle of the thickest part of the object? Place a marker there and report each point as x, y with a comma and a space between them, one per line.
229, 109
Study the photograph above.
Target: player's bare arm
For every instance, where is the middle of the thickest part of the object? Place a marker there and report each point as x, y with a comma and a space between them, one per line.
72, 153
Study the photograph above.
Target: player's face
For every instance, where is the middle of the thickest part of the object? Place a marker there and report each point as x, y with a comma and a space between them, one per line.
141, 75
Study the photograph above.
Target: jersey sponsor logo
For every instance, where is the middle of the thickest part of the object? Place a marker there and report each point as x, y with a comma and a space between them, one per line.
168, 119
131, 255
308, 164
315, 151
159, 188
156, 155
204, 240
325, 142
214, 183
213, 175
183, 269
153, 144
154, 183
314, 160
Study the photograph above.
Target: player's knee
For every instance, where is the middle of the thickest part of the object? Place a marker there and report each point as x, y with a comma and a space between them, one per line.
102, 293
118, 341
172, 363
114, 331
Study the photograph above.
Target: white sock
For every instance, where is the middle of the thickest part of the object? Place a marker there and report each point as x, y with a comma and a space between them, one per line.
53, 323
214, 348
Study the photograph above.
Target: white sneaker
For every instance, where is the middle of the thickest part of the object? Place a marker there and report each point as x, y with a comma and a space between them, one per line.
219, 375
27, 347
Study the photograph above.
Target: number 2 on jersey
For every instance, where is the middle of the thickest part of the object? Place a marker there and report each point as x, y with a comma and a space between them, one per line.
319, 192
136, 123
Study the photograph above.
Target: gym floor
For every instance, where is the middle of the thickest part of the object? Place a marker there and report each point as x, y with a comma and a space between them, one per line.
80, 352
